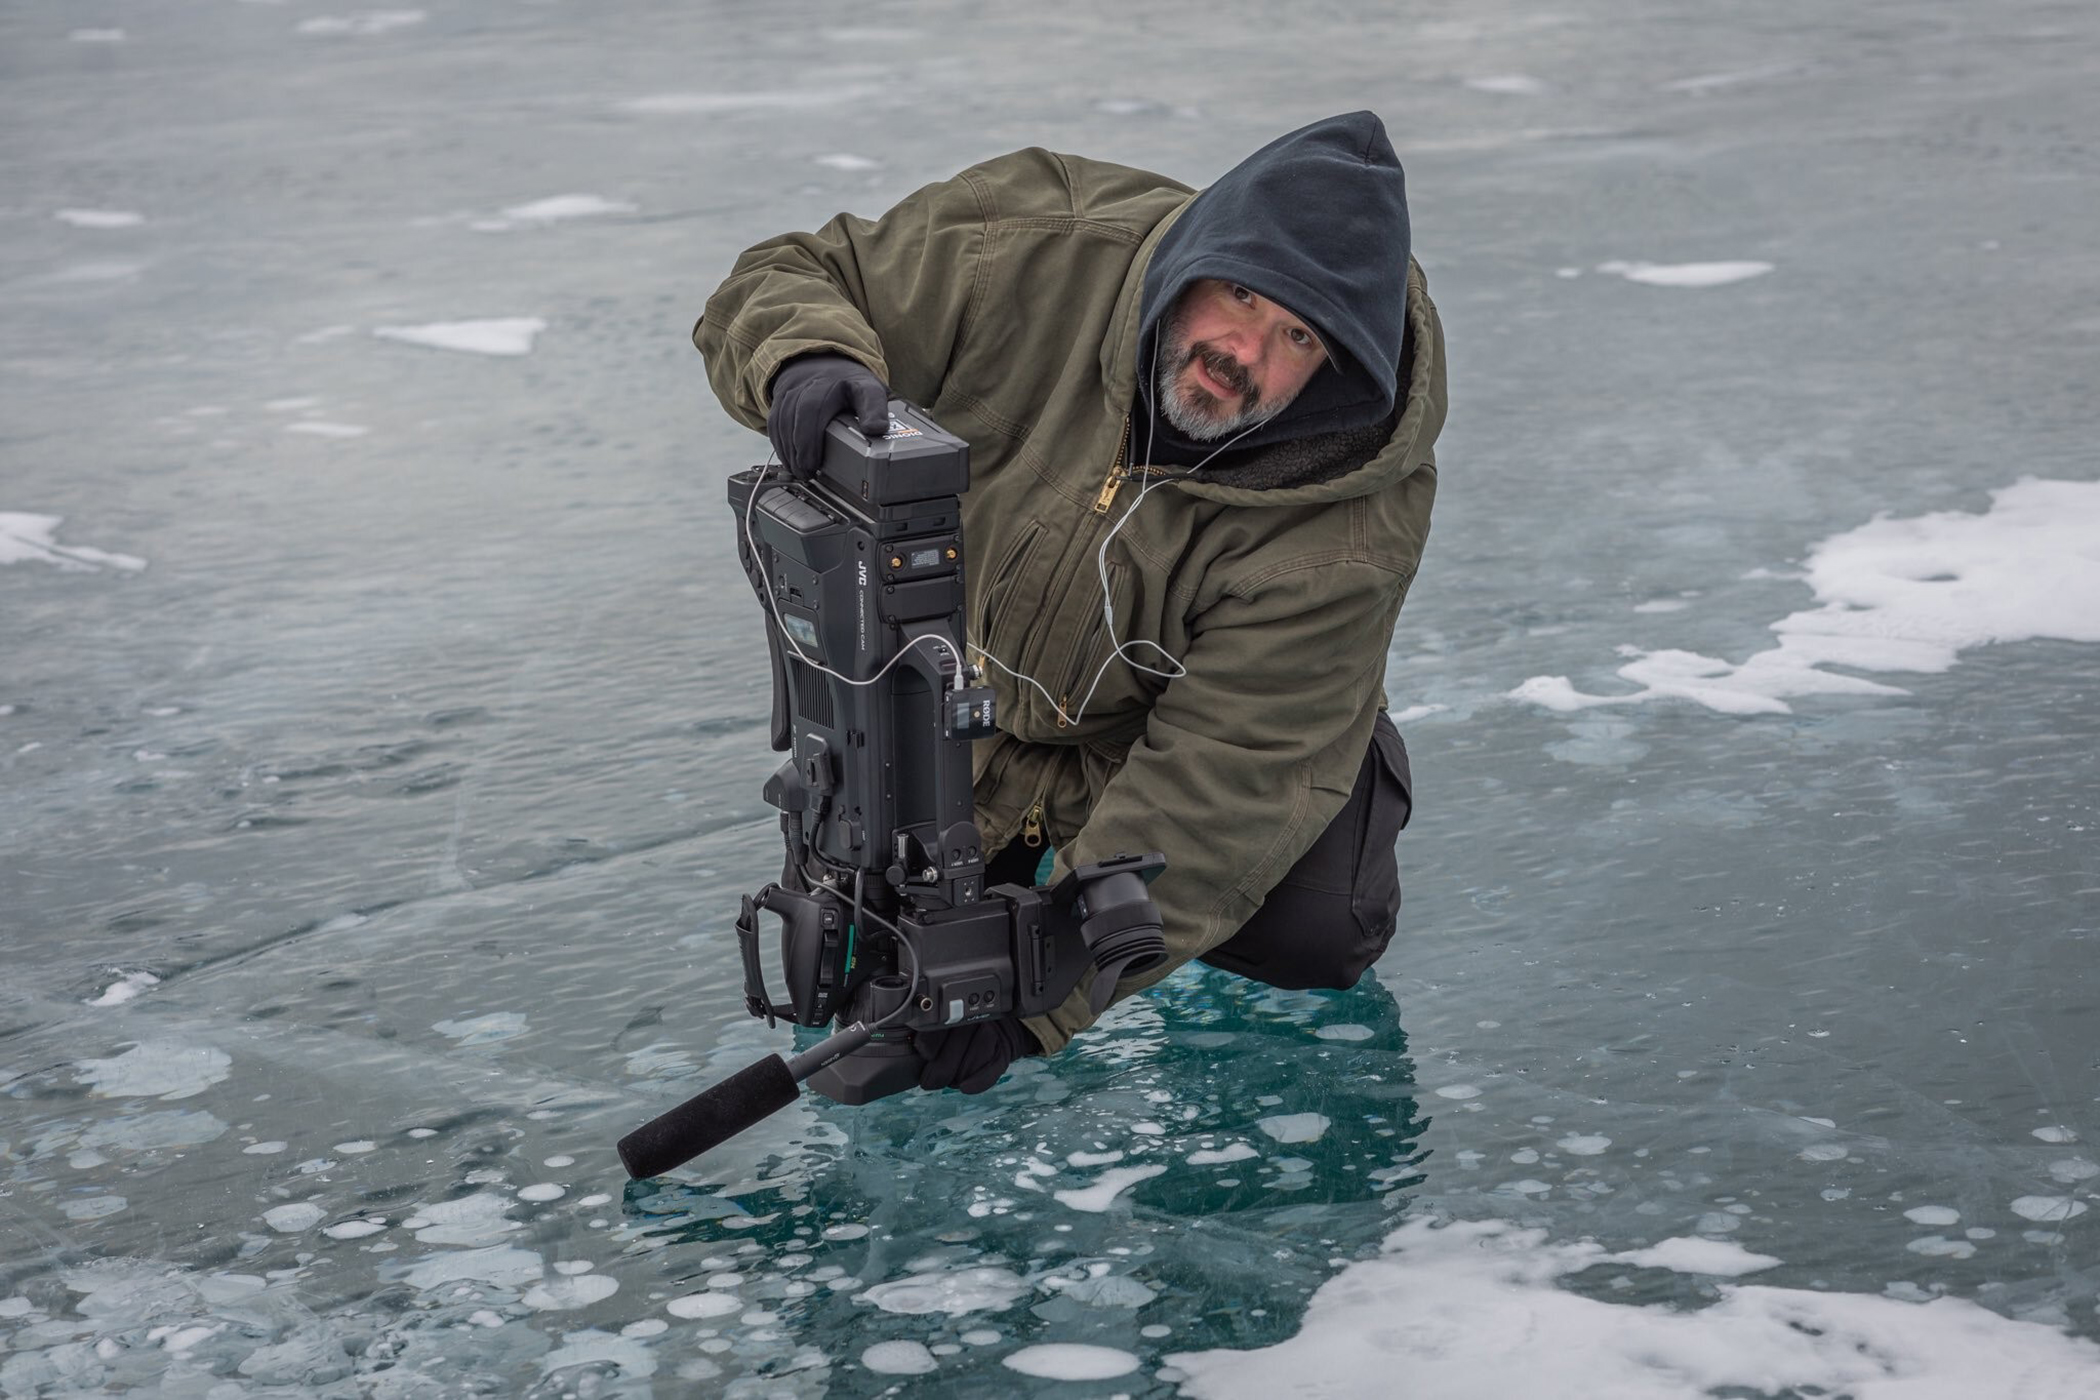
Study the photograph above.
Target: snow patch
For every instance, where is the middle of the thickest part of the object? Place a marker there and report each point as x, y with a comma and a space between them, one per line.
1295, 1127
1485, 1316
1704, 274
1898, 595
32, 539
566, 1294
127, 986
1109, 1185
1211, 1157
1076, 1361
361, 24
960, 1291
100, 218
163, 1069
899, 1359
503, 335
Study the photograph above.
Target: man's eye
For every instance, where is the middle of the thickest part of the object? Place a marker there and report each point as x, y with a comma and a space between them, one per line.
1240, 293
1303, 340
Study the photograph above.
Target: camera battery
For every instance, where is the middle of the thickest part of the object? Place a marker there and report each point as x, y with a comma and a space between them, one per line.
969, 713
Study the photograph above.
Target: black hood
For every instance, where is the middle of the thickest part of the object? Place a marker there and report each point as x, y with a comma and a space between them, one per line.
1317, 222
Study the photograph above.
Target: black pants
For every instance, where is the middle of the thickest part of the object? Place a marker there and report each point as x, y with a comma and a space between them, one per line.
1336, 910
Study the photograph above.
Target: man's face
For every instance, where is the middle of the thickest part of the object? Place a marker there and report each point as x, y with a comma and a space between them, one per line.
1229, 358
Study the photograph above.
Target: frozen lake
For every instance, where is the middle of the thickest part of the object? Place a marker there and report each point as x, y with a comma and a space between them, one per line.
382, 724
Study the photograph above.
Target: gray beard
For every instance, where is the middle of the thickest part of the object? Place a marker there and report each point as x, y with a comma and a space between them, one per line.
1190, 420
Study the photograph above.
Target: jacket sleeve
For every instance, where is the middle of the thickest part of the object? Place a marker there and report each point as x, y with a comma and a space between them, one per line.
895, 293
1245, 759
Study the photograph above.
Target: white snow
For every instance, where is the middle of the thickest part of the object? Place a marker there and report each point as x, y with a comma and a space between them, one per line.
1689, 1255
981, 1289
1076, 1361
1415, 712
365, 22
1295, 1127
765, 100
1583, 1144
482, 1030
1703, 274
354, 1229
1109, 1185
1932, 1215
566, 206
542, 1191
163, 1069
2050, 1208
1458, 1091
1515, 84
503, 335
290, 1219
357, 1146
503, 1265
264, 1149
563, 1294
1483, 1316
127, 986
99, 218
1898, 595
2056, 1132
32, 539
1344, 1031
899, 1359
1211, 1157
695, 1305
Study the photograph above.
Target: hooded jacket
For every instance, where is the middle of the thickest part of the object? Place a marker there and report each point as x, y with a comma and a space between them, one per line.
1015, 303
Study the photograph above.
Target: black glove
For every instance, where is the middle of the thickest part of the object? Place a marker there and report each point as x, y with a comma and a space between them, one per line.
811, 390
971, 1058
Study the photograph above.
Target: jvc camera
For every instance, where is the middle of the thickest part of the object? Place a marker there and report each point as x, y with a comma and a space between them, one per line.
886, 926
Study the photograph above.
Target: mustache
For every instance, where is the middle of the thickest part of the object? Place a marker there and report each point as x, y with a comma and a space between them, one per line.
1225, 369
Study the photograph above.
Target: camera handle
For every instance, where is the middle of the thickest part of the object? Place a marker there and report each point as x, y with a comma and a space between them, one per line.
816, 953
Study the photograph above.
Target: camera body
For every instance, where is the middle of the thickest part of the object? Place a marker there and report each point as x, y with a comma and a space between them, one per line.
885, 919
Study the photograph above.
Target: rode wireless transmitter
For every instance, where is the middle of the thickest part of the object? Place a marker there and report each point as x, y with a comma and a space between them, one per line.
885, 925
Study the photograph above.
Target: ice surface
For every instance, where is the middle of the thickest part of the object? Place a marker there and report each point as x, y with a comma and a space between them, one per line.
1345, 1031
701, 1305
316, 427
2056, 1132
26, 537
1583, 1144
1898, 595
1107, 1186
1932, 1215
1484, 1316
2050, 1208
502, 335
483, 1030
1073, 1361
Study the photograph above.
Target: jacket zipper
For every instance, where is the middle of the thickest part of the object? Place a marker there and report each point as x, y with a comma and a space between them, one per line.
1032, 826
1117, 474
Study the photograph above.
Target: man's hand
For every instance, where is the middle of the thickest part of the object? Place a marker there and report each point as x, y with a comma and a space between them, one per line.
811, 390
971, 1058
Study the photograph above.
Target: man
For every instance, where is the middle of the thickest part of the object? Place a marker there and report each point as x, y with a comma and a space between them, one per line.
1260, 364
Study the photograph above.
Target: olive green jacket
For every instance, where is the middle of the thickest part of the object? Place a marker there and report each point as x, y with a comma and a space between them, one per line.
1005, 302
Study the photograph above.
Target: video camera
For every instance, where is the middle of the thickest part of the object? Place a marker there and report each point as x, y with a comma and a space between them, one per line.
885, 925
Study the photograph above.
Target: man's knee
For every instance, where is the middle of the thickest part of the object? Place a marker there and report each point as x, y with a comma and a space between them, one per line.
1333, 915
